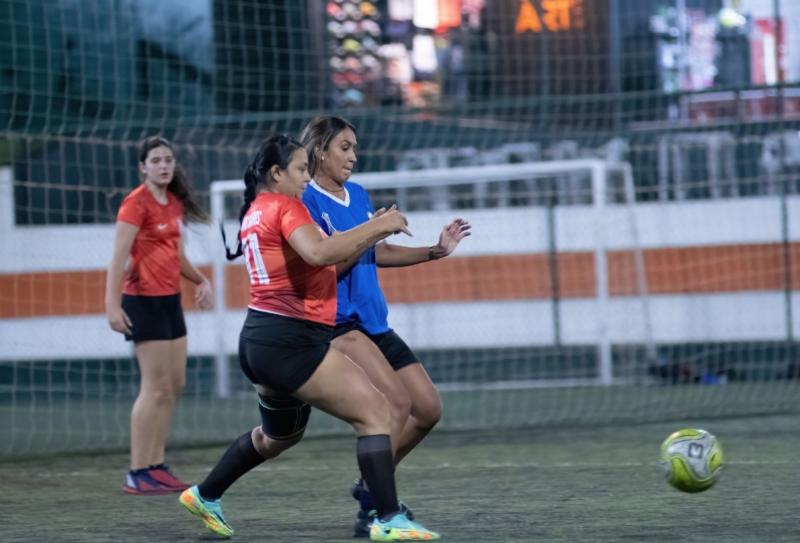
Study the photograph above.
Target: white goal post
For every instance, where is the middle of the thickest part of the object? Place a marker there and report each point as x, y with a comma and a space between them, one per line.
479, 177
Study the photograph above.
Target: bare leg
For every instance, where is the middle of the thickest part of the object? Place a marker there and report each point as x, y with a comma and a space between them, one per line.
152, 410
268, 447
342, 389
361, 350
426, 408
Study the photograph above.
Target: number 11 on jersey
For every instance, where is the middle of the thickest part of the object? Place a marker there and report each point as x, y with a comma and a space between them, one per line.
255, 264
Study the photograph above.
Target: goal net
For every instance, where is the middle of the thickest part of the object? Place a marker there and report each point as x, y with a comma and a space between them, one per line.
572, 302
631, 169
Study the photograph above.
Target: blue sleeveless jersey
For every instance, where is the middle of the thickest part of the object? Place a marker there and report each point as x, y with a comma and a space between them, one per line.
360, 298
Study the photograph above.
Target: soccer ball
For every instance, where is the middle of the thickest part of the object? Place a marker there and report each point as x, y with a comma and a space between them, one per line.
692, 460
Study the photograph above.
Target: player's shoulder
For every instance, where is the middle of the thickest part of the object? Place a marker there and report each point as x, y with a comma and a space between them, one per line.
291, 201
354, 188
136, 195
359, 197
310, 195
314, 193
282, 203
135, 201
267, 198
268, 208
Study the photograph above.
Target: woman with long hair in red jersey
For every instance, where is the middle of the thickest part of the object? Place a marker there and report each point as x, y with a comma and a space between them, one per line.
148, 311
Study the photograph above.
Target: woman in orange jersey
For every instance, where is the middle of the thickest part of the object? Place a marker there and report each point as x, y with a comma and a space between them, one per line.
149, 310
284, 346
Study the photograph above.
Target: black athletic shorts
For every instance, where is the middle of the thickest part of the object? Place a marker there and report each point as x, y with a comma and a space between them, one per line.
280, 352
343, 328
154, 317
396, 351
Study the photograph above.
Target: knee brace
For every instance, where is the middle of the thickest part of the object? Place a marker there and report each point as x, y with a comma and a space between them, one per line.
283, 417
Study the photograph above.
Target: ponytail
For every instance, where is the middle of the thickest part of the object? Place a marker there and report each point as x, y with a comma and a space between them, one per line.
274, 151
251, 183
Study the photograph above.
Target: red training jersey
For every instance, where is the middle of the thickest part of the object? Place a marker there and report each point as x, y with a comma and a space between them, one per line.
280, 280
155, 268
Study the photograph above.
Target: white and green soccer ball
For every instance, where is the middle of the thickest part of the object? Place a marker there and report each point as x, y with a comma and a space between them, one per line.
692, 459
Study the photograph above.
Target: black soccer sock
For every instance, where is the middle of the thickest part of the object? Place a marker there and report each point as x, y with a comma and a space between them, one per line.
240, 458
365, 501
376, 462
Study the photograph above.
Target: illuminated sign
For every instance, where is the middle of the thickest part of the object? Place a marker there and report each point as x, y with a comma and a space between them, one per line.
552, 15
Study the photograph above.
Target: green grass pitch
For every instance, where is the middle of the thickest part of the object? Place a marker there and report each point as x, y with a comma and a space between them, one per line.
546, 484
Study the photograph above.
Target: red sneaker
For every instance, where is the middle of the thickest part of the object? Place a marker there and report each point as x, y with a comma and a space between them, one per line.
141, 483
165, 478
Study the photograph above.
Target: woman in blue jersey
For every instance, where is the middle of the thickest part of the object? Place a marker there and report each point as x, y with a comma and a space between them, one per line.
362, 329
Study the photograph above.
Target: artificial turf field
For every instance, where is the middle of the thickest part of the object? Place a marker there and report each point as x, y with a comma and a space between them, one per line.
554, 484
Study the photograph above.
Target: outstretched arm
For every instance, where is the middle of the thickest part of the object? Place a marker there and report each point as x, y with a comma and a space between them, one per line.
388, 255
344, 266
319, 251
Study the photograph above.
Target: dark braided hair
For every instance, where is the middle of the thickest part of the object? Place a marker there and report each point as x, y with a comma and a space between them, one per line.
273, 151
179, 185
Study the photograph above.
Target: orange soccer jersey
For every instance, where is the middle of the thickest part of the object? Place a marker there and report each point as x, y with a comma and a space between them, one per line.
281, 281
154, 268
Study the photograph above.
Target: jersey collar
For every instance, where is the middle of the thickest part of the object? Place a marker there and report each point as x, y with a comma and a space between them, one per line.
345, 202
